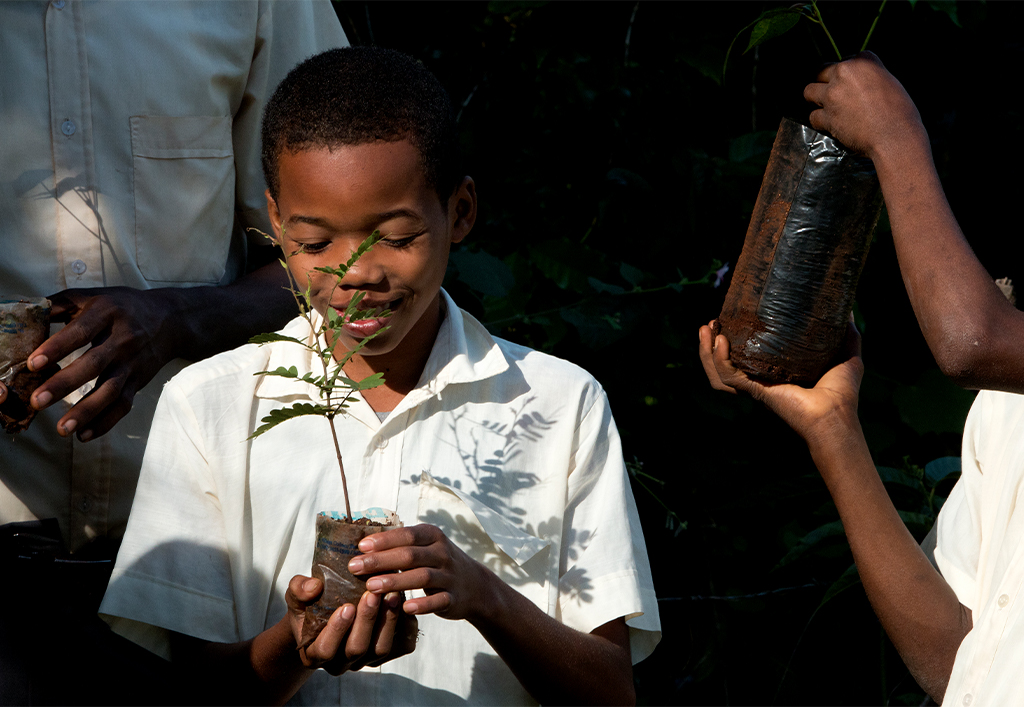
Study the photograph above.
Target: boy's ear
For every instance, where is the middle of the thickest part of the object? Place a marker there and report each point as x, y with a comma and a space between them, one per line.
462, 209
275, 215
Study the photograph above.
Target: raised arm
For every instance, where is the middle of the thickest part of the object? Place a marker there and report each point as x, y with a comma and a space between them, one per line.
970, 327
555, 663
918, 609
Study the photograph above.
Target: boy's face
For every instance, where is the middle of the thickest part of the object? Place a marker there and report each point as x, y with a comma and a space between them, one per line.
330, 200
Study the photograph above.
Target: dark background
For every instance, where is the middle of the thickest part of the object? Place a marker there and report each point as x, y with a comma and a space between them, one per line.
614, 163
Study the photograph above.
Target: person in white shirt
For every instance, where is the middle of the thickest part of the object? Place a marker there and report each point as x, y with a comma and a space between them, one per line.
960, 632
522, 557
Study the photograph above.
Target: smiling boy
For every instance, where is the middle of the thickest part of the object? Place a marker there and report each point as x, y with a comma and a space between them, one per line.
522, 560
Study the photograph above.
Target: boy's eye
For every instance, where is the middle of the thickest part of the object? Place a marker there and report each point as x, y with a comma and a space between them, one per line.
311, 248
398, 242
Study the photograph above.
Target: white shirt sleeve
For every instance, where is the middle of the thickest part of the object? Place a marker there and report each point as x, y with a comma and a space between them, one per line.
959, 525
604, 570
173, 569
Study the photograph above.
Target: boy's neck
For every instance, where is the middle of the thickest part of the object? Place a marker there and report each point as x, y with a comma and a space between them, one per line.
402, 366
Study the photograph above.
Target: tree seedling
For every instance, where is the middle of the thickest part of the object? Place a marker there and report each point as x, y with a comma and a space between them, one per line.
333, 387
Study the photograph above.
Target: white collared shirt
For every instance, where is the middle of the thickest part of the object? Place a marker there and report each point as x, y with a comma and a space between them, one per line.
513, 453
980, 552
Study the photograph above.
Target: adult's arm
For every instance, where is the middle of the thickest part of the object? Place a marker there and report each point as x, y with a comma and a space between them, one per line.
134, 333
556, 664
918, 609
972, 330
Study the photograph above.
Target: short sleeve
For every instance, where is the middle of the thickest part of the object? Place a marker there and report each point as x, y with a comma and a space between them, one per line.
959, 525
604, 573
172, 571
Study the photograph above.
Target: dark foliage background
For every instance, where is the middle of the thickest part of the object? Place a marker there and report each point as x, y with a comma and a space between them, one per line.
617, 170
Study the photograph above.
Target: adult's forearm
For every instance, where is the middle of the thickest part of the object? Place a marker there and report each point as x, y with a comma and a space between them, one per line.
554, 663
208, 320
917, 608
970, 327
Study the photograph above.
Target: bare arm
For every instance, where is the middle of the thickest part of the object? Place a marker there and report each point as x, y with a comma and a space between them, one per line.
554, 663
270, 669
918, 609
134, 333
970, 327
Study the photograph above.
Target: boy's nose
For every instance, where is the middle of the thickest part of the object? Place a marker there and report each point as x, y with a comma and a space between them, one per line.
368, 270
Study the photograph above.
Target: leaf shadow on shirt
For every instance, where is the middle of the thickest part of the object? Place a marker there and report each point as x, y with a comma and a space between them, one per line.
65, 190
491, 451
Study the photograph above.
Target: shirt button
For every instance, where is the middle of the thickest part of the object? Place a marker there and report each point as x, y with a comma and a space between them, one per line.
68, 128
85, 505
382, 442
78, 267
968, 699
1003, 600
59, 4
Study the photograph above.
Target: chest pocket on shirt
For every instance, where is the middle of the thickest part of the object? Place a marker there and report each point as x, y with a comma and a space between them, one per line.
520, 559
184, 188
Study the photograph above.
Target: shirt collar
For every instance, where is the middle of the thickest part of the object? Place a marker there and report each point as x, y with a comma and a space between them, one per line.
463, 352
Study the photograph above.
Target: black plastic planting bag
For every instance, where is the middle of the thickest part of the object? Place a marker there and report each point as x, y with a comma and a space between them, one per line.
787, 308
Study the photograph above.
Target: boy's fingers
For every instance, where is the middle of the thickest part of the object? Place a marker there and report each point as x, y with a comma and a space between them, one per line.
430, 604
3, 393
304, 590
327, 645
361, 633
707, 359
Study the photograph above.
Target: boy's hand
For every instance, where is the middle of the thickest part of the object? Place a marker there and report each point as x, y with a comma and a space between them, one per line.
863, 106
811, 412
355, 636
456, 585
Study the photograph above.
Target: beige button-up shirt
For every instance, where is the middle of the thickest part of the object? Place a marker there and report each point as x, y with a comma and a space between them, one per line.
130, 157
512, 453
980, 551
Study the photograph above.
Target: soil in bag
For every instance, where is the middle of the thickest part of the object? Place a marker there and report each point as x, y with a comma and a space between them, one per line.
337, 542
24, 325
789, 302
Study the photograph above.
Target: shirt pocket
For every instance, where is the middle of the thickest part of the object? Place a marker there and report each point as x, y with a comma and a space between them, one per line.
520, 559
184, 189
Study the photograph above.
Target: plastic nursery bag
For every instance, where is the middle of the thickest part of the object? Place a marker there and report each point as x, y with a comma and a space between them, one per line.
789, 302
337, 542
24, 325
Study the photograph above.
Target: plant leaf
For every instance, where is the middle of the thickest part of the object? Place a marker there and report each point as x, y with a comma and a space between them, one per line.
938, 469
276, 417
268, 338
290, 372
772, 24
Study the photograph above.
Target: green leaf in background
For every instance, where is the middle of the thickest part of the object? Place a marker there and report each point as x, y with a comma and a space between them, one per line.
947, 7
750, 145
483, 272
773, 23
813, 541
605, 287
939, 469
933, 404
634, 276
849, 578
890, 475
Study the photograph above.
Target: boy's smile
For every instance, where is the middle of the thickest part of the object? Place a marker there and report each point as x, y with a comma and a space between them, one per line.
329, 201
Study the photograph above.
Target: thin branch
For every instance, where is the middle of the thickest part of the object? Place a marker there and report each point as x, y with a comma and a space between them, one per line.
875, 22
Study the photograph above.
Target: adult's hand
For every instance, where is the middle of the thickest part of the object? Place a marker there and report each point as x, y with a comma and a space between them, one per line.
863, 106
131, 335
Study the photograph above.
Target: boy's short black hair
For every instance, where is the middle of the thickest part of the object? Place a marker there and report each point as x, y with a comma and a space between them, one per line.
359, 95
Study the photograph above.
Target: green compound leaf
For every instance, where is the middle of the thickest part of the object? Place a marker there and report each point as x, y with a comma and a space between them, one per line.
290, 372
276, 417
269, 338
